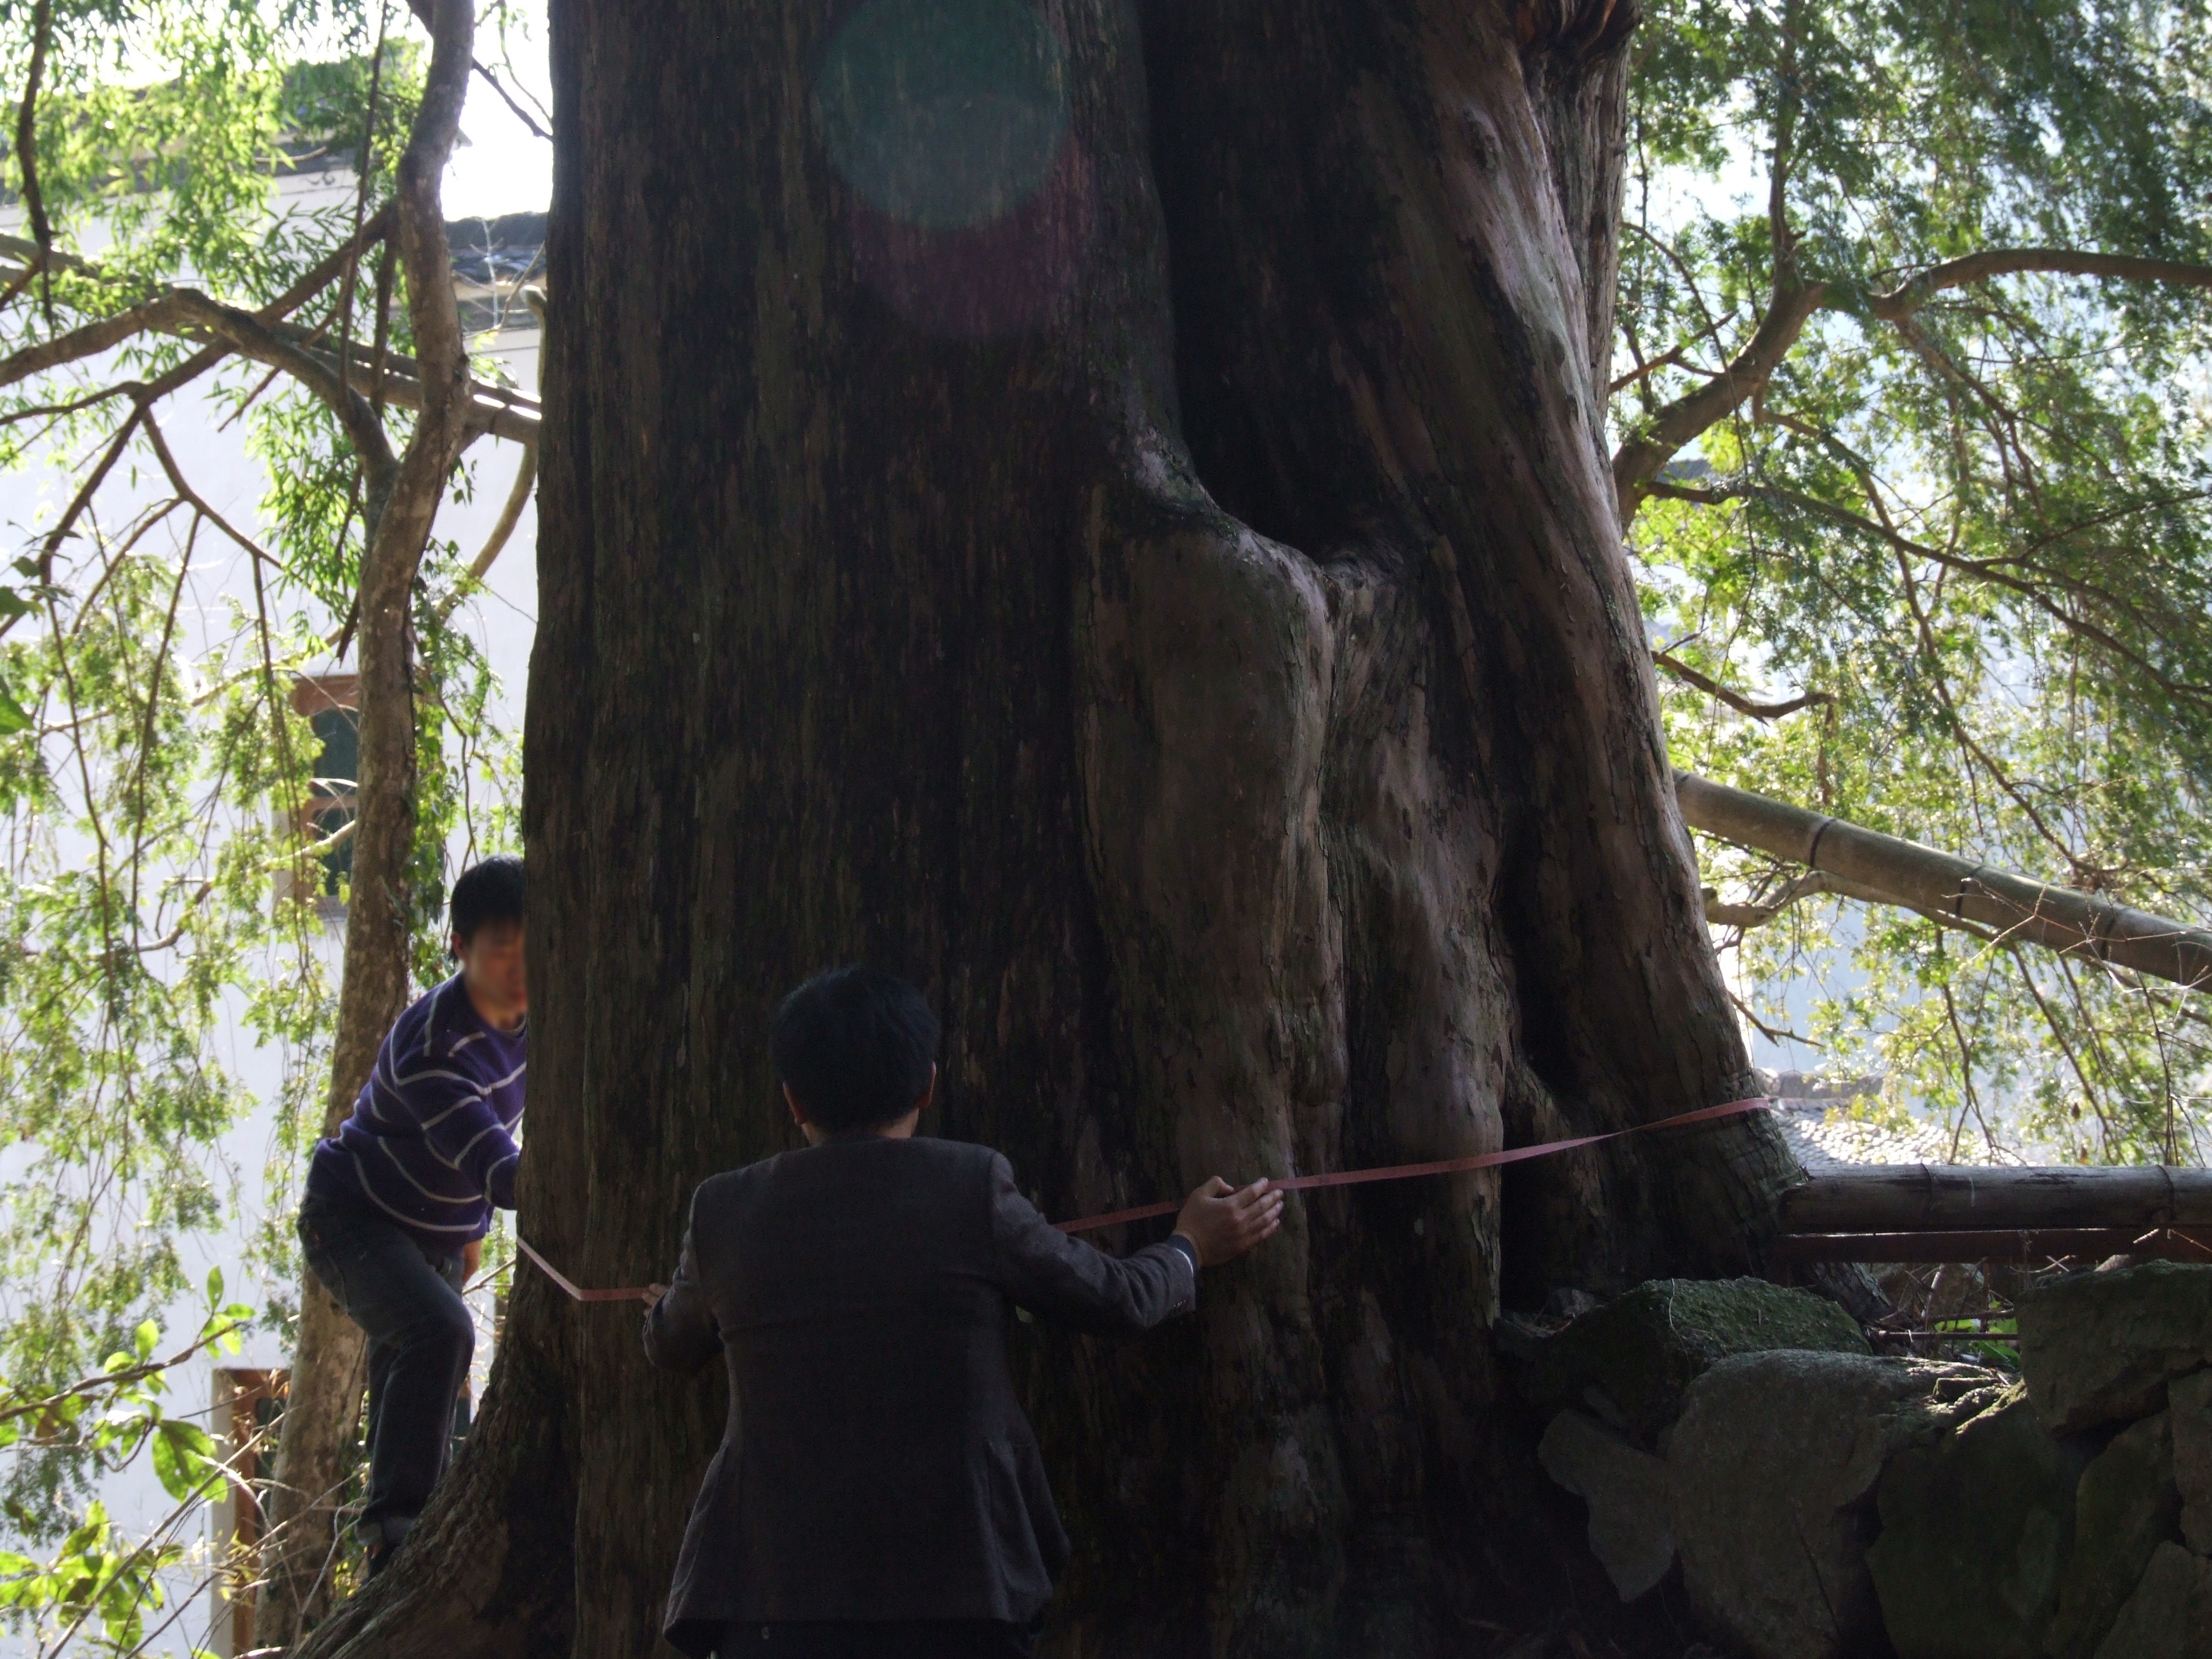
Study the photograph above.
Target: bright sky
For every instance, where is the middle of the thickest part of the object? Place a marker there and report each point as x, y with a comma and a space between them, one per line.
503, 168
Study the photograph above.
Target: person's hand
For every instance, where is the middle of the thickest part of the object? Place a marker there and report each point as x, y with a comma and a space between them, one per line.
1223, 1222
471, 1259
653, 1295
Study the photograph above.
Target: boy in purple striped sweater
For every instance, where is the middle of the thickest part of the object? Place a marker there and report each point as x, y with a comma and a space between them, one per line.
398, 1201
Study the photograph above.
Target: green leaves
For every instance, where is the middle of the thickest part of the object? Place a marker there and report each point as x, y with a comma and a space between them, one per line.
98, 1578
13, 716
95, 1579
1979, 518
150, 764
153, 769
184, 1456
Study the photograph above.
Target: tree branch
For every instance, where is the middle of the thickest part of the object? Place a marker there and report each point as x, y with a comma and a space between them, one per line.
95, 337
367, 170
1658, 439
251, 338
160, 315
26, 148
441, 356
507, 98
263, 336
177, 483
81, 501
1669, 360
1977, 569
1903, 300
1735, 700
117, 1379
525, 480
1812, 884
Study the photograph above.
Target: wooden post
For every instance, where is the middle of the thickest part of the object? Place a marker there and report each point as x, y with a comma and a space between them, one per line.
246, 1402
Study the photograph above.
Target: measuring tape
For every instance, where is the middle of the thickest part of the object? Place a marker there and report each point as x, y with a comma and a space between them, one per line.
1288, 1184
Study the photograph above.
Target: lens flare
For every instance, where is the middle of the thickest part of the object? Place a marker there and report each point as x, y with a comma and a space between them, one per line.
943, 114
949, 121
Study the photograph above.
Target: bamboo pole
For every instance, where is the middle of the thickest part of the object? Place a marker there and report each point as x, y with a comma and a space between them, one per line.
1937, 883
1931, 1198
2021, 1245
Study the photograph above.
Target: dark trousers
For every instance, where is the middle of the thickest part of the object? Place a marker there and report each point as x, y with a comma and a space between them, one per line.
919, 1638
406, 1297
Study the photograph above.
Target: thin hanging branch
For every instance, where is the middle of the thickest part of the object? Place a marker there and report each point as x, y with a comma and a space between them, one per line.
27, 160
507, 98
367, 170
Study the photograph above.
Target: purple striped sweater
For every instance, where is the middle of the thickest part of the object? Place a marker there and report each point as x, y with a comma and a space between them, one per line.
431, 1140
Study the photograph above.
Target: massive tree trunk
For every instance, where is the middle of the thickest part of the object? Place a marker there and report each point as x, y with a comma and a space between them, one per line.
1152, 578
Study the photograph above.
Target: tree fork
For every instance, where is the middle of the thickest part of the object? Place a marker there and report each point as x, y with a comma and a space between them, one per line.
1180, 621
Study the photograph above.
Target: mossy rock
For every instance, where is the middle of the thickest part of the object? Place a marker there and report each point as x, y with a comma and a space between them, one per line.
2189, 1404
2100, 1348
1769, 1469
2127, 1505
1631, 1359
1977, 1530
2170, 1614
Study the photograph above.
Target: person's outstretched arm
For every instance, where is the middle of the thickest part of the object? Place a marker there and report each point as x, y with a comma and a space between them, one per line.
680, 1333
1071, 1283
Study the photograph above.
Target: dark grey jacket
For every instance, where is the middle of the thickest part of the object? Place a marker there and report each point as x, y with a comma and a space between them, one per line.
876, 1464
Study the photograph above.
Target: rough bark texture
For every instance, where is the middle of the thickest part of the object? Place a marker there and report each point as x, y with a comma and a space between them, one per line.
1180, 622
318, 1448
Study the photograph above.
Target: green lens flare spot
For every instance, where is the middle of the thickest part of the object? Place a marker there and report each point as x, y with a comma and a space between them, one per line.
944, 114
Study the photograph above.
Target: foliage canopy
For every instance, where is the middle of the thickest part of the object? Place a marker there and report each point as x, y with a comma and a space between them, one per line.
1914, 308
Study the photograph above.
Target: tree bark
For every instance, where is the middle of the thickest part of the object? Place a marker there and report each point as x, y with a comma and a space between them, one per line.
318, 1448
1179, 618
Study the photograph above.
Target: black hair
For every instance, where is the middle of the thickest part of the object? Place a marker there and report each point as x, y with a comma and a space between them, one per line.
490, 891
856, 1045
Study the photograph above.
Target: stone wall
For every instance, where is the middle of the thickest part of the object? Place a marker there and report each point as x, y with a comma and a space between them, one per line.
1822, 1502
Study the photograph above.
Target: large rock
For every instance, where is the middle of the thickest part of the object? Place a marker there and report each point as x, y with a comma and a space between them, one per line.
2170, 1614
1626, 1491
1631, 1360
1769, 1469
2190, 1411
2125, 1508
2100, 1348
1975, 1530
